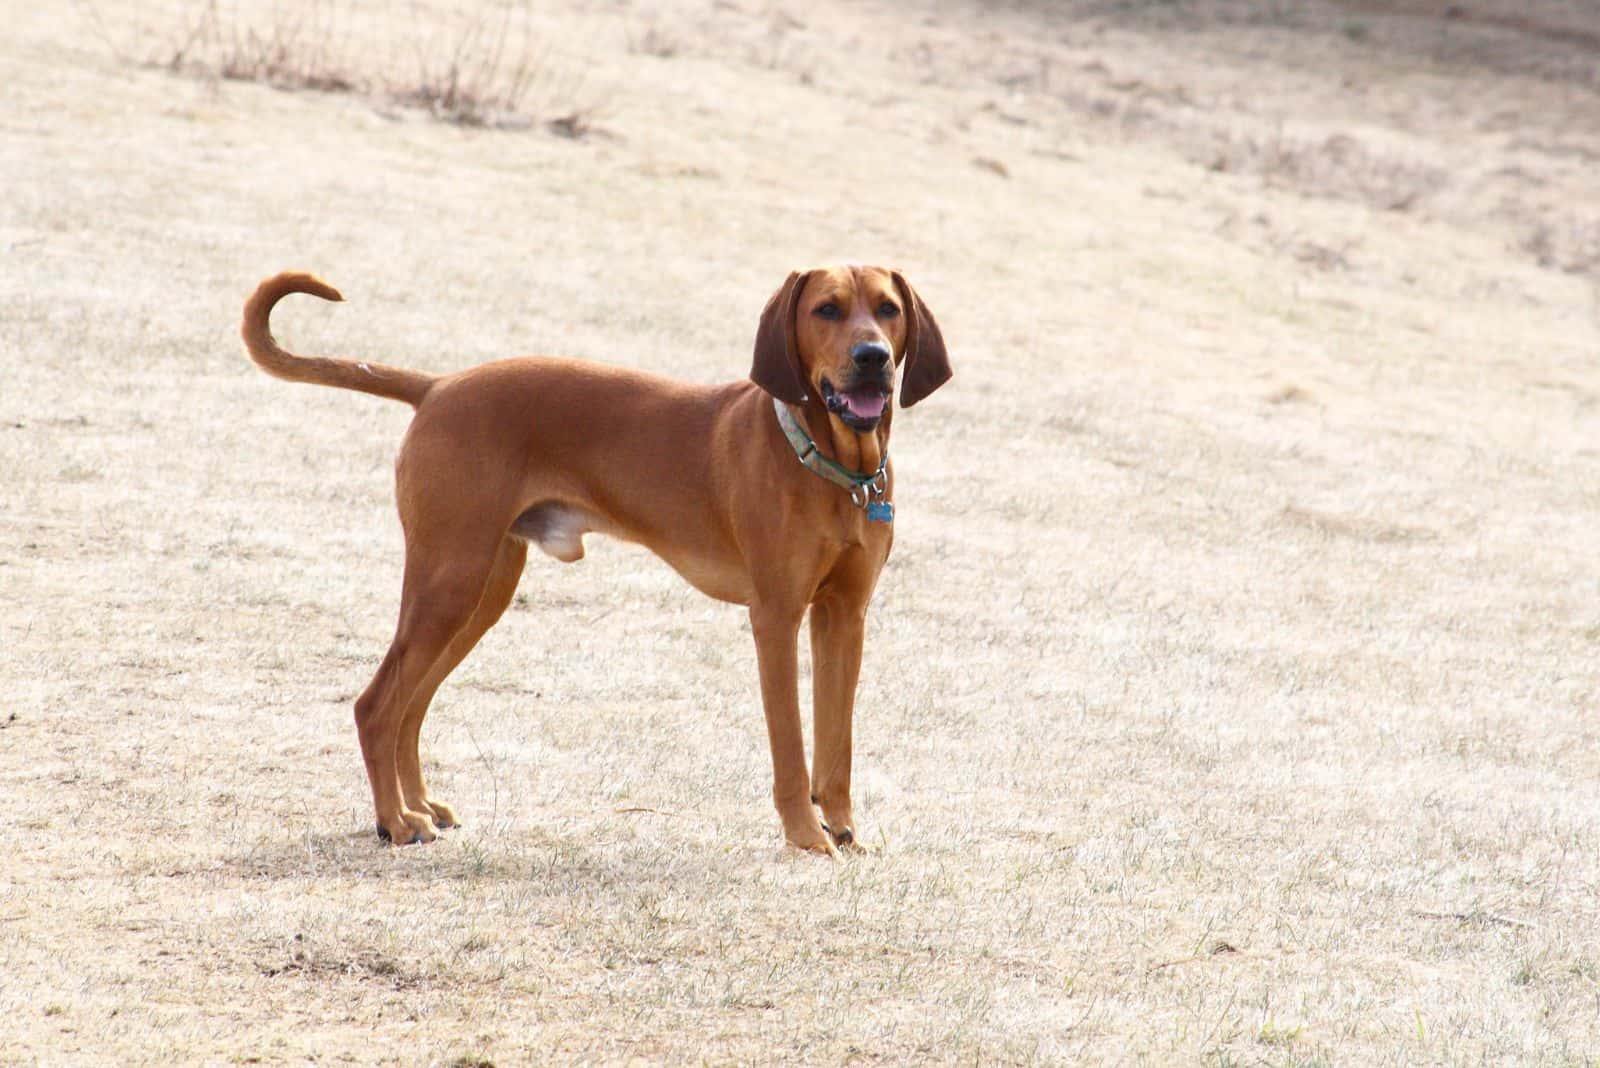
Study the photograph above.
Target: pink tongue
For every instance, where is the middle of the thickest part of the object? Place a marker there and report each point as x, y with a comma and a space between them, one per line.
865, 403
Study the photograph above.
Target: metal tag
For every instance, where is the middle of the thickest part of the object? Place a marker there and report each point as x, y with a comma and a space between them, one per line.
880, 511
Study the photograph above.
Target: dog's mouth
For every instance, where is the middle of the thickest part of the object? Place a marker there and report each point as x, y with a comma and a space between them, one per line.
859, 406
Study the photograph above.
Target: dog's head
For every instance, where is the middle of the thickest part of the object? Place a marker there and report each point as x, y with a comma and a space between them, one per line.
838, 336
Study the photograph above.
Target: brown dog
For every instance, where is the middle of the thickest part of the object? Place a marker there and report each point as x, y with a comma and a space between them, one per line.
546, 450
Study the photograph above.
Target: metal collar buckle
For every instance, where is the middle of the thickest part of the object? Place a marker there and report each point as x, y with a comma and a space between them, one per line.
863, 493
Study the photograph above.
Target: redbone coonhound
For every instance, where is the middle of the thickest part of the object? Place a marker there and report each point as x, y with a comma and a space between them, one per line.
546, 450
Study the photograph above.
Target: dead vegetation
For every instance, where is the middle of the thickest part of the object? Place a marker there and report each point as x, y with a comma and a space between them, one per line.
483, 67
1569, 245
1335, 166
306, 51
1363, 126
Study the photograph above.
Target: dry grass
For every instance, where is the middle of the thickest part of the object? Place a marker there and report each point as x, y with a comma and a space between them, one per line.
484, 66
1573, 247
1337, 166
305, 50
1230, 697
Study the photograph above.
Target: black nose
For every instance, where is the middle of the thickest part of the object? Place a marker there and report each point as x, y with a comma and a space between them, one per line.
870, 355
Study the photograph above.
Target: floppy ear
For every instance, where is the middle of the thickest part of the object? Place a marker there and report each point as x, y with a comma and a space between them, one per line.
927, 365
776, 367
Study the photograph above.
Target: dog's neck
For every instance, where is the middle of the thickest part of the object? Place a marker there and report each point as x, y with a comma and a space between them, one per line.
857, 450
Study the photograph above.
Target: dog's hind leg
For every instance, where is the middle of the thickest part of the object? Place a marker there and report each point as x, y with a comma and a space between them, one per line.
445, 581
497, 595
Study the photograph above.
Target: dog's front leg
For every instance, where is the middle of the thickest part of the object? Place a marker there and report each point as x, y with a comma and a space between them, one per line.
777, 631
838, 632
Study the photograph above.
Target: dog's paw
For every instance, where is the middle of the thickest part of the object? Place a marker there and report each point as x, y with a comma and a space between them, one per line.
811, 840
802, 830
822, 848
844, 839
444, 817
411, 828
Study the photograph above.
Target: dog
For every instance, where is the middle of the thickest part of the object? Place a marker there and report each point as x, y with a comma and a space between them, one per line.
774, 493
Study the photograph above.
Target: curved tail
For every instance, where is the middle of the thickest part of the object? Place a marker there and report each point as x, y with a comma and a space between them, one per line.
393, 382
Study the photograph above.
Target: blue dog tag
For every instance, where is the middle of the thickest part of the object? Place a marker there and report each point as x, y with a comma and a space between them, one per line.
880, 511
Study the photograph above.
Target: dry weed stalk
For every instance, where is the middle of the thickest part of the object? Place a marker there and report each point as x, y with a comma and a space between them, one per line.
483, 80
302, 52
486, 73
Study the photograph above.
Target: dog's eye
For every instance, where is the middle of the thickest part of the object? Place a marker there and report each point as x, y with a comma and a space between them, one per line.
830, 310
888, 309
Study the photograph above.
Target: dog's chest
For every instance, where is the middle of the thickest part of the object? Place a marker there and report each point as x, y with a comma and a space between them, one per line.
851, 539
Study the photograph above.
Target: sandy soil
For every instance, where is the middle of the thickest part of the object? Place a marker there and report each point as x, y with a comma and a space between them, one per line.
1231, 696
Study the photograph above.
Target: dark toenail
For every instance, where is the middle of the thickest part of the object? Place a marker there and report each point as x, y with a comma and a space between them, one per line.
845, 836
814, 800
383, 832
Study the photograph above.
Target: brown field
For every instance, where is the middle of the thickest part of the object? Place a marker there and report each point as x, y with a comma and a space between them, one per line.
1232, 696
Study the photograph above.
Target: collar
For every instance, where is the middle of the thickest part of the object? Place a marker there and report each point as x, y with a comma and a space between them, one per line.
866, 491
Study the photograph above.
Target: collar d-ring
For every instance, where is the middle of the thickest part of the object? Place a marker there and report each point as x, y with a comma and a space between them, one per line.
862, 488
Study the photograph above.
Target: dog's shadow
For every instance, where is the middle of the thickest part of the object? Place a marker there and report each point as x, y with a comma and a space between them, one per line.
570, 856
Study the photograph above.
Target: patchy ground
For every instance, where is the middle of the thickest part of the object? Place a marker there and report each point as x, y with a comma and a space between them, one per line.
1232, 692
